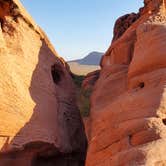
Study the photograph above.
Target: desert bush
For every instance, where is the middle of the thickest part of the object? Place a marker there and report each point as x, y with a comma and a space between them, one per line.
83, 96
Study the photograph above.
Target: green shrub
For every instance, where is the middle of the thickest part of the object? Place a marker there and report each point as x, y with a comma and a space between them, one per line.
84, 104
78, 80
83, 96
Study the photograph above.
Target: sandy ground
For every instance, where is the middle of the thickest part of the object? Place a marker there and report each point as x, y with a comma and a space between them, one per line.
78, 69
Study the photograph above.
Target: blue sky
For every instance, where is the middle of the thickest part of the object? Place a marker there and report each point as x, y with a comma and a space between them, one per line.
77, 27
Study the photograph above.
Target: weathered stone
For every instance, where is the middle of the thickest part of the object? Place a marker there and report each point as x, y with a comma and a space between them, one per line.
127, 118
40, 123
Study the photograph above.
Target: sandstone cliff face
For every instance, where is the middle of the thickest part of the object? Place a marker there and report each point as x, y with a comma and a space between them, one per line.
40, 123
128, 105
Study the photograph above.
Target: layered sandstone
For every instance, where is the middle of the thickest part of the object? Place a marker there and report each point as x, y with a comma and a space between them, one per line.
128, 104
40, 123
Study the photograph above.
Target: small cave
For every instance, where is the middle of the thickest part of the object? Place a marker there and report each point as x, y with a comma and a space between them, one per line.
141, 85
130, 139
56, 73
1, 22
164, 121
138, 86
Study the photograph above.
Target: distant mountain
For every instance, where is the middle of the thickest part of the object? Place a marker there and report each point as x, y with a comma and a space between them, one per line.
92, 58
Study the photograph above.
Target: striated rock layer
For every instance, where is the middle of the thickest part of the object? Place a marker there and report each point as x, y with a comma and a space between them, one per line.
40, 123
128, 104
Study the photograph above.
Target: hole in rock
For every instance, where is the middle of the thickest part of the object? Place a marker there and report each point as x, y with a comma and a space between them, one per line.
56, 74
1, 22
141, 85
130, 139
164, 121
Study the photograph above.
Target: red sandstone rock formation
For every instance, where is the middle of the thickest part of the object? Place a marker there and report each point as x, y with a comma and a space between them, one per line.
128, 105
39, 121
90, 79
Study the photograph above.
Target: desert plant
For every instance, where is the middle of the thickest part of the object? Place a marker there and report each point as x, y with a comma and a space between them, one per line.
83, 96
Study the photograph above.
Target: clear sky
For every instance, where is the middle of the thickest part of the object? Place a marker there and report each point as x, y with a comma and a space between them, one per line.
77, 27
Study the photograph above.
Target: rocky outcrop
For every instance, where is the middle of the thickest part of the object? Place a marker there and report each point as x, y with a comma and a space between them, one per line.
90, 80
123, 23
40, 123
128, 104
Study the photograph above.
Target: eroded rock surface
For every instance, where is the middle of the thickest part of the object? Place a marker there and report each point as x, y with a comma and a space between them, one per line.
90, 80
40, 123
128, 104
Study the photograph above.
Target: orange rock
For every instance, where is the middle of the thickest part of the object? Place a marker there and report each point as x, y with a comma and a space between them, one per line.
128, 113
90, 80
39, 122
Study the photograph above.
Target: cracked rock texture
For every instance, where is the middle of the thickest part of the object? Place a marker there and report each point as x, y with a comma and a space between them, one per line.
40, 123
127, 123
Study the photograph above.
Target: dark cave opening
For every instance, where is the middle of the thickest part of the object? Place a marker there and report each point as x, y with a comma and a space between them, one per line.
56, 74
141, 85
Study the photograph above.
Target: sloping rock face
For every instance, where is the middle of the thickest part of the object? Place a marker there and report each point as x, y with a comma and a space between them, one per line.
40, 123
128, 105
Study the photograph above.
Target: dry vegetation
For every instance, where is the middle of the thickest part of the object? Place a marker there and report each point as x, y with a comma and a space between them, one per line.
83, 96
